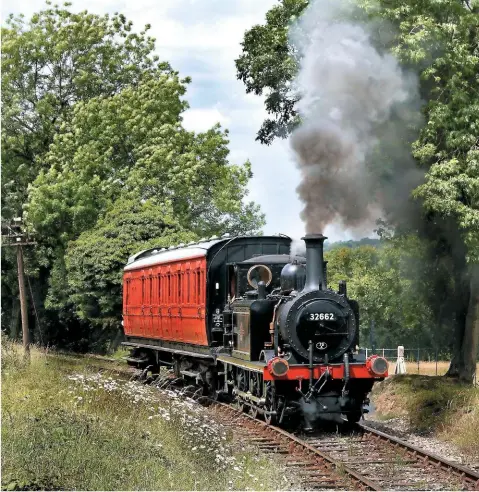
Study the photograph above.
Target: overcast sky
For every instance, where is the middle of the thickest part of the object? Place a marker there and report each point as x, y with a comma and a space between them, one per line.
201, 39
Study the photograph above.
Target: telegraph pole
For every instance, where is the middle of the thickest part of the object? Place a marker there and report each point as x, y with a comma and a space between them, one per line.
23, 302
14, 236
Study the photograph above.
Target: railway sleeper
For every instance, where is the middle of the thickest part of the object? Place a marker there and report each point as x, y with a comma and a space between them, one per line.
320, 474
330, 484
300, 463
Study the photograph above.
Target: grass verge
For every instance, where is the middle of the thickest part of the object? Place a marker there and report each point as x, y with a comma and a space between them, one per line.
426, 368
67, 427
435, 405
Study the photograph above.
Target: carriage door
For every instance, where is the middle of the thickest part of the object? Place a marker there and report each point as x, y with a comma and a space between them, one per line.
177, 304
166, 304
147, 311
155, 303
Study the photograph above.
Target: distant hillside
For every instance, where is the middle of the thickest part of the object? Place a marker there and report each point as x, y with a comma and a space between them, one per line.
365, 241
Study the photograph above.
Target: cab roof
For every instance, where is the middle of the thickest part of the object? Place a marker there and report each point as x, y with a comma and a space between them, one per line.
154, 256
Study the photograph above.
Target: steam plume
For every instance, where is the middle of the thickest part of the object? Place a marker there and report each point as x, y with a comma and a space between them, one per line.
358, 109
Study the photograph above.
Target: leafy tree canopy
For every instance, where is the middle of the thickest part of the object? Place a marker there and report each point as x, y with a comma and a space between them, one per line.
351, 243
51, 62
92, 129
268, 65
393, 285
132, 145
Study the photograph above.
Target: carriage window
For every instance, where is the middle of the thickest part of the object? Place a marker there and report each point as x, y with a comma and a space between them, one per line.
180, 278
174, 291
198, 287
191, 287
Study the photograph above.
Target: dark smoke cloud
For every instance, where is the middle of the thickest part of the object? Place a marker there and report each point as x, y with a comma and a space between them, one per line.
359, 110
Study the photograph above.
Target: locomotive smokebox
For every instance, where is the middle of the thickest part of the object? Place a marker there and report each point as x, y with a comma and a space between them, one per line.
314, 262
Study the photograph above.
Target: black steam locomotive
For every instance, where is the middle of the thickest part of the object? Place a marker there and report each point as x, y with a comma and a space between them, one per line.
278, 341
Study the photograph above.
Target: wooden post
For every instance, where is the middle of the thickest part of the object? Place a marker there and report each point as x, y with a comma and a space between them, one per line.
23, 302
13, 235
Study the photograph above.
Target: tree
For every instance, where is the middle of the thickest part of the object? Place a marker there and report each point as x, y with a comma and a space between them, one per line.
91, 117
268, 65
392, 285
132, 145
449, 147
439, 40
48, 64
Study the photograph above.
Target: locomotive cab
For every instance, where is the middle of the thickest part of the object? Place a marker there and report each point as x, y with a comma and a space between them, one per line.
249, 313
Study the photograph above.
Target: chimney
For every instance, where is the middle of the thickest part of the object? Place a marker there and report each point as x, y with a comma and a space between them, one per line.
315, 279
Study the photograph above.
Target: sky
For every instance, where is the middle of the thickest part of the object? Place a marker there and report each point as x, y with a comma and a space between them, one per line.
201, 39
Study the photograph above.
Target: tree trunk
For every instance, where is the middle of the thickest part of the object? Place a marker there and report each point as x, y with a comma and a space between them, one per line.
471, 333
461, 302
454, 367
466, 339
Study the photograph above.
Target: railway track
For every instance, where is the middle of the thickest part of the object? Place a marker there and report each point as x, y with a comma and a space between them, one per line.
467, 478
393, 464
359, 458
317, 470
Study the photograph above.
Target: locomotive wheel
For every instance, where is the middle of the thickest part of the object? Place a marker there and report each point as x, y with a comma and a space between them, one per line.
270, 405
241, 385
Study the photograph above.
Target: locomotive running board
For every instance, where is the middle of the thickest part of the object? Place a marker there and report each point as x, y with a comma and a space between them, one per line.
166, 349
252, 366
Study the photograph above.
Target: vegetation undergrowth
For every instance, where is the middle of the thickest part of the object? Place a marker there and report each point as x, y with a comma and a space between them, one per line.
65, 427
433, 405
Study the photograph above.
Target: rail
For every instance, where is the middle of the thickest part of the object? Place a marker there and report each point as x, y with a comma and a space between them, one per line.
465, 474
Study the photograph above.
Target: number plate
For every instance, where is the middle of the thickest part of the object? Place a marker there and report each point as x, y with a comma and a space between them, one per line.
322, 317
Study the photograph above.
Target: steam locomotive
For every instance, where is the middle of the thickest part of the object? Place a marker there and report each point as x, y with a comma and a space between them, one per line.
252, 324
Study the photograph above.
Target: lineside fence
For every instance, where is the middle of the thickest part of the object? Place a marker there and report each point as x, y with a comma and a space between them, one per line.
420, 360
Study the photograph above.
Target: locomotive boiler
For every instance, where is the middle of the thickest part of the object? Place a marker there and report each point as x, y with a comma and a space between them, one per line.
253, 325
